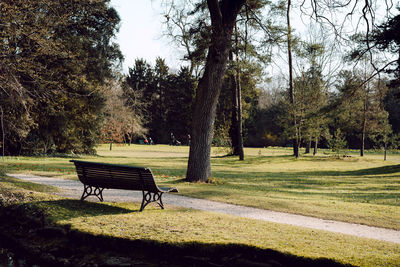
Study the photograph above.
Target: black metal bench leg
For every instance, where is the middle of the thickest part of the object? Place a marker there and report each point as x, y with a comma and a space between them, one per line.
159, 202
99, 193
144, 201
88, 191
149, 197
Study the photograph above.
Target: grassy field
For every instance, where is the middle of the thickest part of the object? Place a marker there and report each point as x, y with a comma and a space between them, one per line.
361, 190
352, 189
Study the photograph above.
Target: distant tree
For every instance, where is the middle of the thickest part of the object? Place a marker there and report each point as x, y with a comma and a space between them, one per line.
313, 97
138, 89
360, 113
179, 101
164, 99
119, 119
225, 123
338, 141
264, 126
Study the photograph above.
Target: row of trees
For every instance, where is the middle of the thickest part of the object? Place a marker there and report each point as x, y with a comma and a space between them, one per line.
163, 99
354, 111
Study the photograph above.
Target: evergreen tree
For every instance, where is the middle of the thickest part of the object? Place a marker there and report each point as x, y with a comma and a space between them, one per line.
360, 114
166, 99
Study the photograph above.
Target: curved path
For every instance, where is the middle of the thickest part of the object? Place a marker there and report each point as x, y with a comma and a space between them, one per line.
74, 189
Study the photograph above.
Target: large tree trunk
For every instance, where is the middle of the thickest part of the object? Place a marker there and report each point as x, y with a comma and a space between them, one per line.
223, 17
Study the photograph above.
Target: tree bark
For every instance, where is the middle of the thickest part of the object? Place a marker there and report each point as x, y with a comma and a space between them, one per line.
308, 146
3, 134
233, 132
239, 100
385, 148
315, 145
364, 127
291, 89
223, 16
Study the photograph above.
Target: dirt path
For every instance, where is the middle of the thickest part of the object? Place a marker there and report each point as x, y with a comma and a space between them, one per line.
74, 189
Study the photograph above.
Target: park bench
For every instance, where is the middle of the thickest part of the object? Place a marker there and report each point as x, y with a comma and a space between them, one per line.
98, 176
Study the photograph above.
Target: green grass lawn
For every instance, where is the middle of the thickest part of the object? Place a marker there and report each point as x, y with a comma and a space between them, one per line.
361, 190
352, 189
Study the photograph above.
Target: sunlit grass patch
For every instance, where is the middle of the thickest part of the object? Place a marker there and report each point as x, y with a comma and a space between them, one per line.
27, 185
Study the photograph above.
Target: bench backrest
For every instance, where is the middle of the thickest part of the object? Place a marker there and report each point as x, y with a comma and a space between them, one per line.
115, 176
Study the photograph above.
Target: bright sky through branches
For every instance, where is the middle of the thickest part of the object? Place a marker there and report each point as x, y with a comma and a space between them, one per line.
141, 28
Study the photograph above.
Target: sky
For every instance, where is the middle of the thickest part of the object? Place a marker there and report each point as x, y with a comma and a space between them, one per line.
140, 33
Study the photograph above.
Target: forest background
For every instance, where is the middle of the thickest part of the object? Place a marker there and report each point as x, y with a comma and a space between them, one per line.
62, 90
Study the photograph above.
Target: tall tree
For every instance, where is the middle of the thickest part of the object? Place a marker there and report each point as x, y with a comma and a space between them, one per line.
295, 134
56, 54
223, 16
237, 117
313, 96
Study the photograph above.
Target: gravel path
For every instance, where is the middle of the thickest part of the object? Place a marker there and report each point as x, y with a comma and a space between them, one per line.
74, 189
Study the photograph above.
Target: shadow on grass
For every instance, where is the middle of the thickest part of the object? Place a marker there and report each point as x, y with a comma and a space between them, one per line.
69, 208
375, 171
45, 243
391, 169
200, 254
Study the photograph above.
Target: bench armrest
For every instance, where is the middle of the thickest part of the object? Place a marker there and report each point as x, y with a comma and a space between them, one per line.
169, 190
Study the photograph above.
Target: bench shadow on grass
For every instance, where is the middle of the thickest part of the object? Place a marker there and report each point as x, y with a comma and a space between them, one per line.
69, 208
201, 254
74, 244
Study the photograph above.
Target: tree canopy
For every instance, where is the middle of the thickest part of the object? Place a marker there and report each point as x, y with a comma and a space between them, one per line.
55, 54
